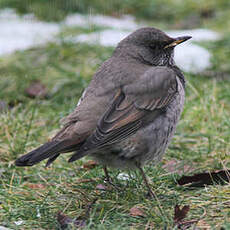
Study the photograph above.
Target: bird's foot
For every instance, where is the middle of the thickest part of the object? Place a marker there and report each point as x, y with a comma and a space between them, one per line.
109, 180
150, 193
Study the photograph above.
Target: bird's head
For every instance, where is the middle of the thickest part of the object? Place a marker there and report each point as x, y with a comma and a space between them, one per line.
151, 46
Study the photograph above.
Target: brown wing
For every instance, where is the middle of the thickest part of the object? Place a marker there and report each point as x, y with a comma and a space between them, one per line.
119, 121
131, 108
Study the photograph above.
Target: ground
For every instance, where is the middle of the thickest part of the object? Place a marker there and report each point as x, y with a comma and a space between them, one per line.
35, 195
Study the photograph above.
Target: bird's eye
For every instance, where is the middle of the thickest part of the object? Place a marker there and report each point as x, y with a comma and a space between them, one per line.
153, 46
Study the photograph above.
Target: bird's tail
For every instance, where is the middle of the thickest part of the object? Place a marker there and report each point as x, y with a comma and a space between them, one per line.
49, 150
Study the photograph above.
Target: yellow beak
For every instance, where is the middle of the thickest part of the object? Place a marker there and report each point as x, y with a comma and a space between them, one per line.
177, 41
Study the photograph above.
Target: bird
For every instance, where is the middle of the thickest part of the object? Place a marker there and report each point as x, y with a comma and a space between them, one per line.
128, 113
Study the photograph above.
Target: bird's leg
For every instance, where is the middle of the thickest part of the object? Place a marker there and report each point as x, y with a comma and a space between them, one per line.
108, 179
150, 191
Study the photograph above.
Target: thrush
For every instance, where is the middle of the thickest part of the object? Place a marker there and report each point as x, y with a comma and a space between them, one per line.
128, 114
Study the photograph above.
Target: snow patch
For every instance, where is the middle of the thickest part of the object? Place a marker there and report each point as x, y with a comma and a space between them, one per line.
192, 58
123, 176
23, 32
104, 38
126, 22
197, 34
19, 222
38, 212
4, 228
20, 33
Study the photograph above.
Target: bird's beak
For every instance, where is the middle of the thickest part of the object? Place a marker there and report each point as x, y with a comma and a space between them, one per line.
177, 41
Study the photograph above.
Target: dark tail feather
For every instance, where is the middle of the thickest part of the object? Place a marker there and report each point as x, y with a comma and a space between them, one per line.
77, 155
69, 149
51, 159
48, 150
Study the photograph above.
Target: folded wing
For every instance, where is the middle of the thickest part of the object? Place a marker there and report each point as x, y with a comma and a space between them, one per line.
131, 108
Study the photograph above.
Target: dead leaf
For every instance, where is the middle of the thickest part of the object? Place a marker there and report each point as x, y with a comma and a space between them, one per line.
101, 187
36, 89
180, 213
207, 178
136, 211
90, 165
79, 222
64, 221
175, 166
35, 186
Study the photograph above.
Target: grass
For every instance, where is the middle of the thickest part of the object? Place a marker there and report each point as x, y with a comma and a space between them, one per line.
174, 13
35, 195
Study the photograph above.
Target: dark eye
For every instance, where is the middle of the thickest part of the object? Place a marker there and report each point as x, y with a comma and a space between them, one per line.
153, 47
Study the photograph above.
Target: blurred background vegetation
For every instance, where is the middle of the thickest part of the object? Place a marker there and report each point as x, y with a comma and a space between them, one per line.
168, 11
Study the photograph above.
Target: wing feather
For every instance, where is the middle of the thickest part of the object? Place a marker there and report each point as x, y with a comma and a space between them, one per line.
132, 107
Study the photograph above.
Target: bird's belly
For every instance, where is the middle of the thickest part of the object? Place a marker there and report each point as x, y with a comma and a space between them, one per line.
158, 134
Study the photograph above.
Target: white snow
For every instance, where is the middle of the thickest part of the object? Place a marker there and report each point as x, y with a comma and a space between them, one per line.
20, 33
126, 22
197, 34
38, 212
19, 222
192, 58
4, 228
123, 176
104, 37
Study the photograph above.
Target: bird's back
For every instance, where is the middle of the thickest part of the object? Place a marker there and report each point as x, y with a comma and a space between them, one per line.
97, 97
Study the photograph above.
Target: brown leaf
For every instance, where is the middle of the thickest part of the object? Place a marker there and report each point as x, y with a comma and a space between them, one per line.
101, 187
136, 211
90, 165
35, 186
36, 89
64, 221
77, 223
207, 178
180, 213
175, 166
